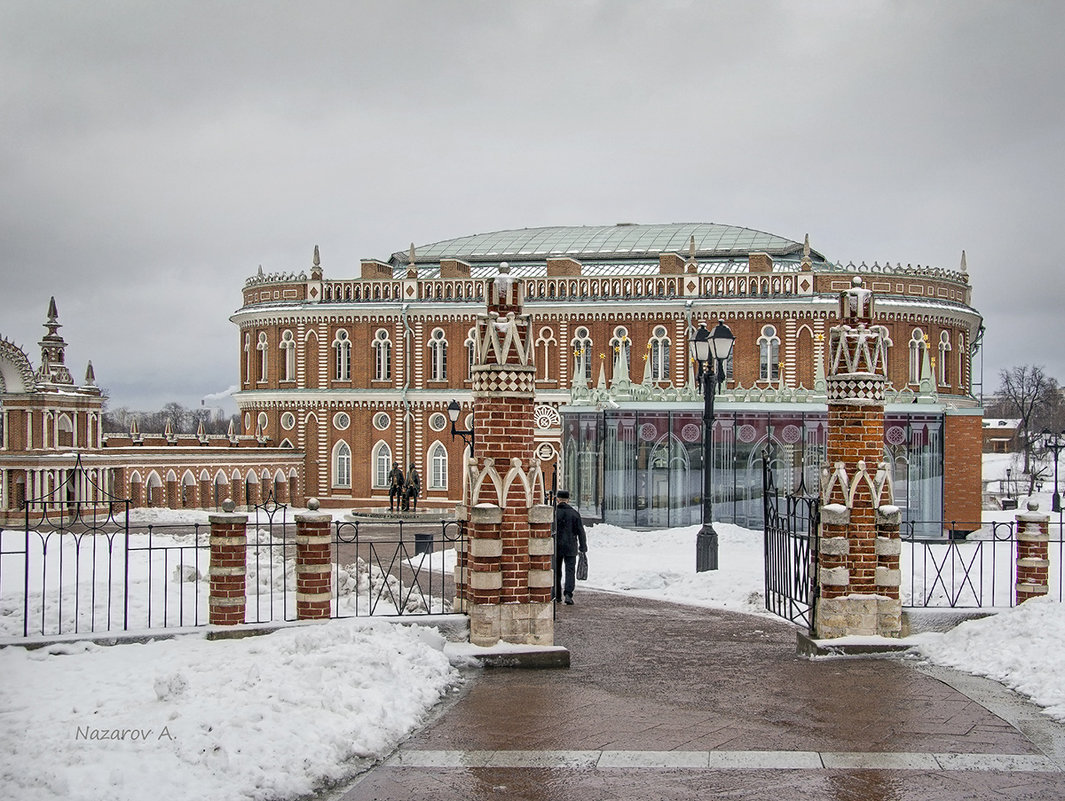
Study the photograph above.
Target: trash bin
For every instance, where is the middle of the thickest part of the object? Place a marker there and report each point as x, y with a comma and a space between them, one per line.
423, 542
1009, 503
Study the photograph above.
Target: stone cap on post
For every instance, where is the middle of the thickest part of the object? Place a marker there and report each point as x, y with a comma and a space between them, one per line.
313, 515
227, 516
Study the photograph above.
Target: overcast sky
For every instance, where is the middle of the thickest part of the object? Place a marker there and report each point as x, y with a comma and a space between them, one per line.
153, 155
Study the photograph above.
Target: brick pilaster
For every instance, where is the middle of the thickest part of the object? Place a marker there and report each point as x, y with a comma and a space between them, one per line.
314, 564
229, 540
1033, 554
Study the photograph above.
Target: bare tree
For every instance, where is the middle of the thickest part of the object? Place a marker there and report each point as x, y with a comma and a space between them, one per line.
1035, 398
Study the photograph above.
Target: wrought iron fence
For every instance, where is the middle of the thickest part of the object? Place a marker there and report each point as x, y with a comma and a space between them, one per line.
395, 568
85, 568
790, 527
973, 565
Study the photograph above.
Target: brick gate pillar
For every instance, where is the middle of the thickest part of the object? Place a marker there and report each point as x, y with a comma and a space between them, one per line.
859, 544
314, 568
506, 583
229, 538
1033, 554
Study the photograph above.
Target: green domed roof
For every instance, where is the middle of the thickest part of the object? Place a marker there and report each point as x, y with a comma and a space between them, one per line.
607, 242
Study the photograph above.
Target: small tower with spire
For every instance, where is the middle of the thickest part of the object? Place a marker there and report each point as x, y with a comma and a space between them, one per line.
316, 266
53, 372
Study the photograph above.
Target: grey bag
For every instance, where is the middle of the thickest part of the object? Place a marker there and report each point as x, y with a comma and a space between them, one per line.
582, 567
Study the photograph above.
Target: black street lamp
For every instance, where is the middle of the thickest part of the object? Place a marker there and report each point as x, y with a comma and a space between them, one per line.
1055, 443
711, 350
1009, 472
453, 410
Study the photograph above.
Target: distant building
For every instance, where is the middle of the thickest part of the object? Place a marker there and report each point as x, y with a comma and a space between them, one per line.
52, 447
357, 371
1001, 435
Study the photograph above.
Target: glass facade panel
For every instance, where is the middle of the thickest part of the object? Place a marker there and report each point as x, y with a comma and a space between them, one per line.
644, 468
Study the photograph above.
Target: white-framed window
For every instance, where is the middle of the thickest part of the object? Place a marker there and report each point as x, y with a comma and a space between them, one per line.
582, 353
341, 420
546, 344
381, 421
261, 423
437, 355
247, 358
659, 355
342, 355
288, 356
944, 363
471, 352
382, 464
288, 421
342, 465
382, 346
769, 354
621, 344
917, 346
262, 347
437, 466
437, 421
962, 352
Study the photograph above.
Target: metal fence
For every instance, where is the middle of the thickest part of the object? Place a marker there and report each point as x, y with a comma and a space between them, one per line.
790, 529
973, 565
87, 569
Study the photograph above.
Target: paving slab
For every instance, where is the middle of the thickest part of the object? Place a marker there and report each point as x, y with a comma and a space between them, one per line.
675, 702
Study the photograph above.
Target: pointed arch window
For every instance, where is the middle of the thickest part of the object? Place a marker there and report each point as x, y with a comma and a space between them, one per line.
382, 464
917, 348
247, 358
621, 344
769, 354
437, 467
288, 356
262, 348
437, 355
545, 345
342, 465
962, 353
342, 355
382, 346
659, 347
944, 359
582, 353
471, 352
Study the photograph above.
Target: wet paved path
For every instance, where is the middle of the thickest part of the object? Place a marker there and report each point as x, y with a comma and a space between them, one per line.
671, 702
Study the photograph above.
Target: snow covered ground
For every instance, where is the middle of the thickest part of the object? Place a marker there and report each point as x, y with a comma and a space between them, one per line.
278, 715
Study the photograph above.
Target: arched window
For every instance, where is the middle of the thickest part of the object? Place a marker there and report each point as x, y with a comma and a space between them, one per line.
382, 356
944, 363
917, 346
471, 352
620, 343
769, 354
342, 355
342, 465
437, 467
659, 347
288, 350
247, 358
546, 344
437, 355
262, 348
382, 463
582, 353
962, 353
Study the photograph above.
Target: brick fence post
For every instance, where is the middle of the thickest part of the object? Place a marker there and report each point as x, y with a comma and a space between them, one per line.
314, 565
1033, 554
229, 540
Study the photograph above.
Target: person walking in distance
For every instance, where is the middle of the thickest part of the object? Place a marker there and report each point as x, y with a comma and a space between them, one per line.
395, 488
569, 541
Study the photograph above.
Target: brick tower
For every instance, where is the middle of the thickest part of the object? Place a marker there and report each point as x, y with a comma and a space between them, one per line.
859, 544
506, 583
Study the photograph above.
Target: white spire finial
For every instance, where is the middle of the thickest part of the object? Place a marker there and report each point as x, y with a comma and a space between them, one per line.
964, 266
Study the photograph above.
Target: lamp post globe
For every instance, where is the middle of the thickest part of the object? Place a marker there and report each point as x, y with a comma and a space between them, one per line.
711, 350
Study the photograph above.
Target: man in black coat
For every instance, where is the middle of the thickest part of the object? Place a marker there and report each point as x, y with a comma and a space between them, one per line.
569, 539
